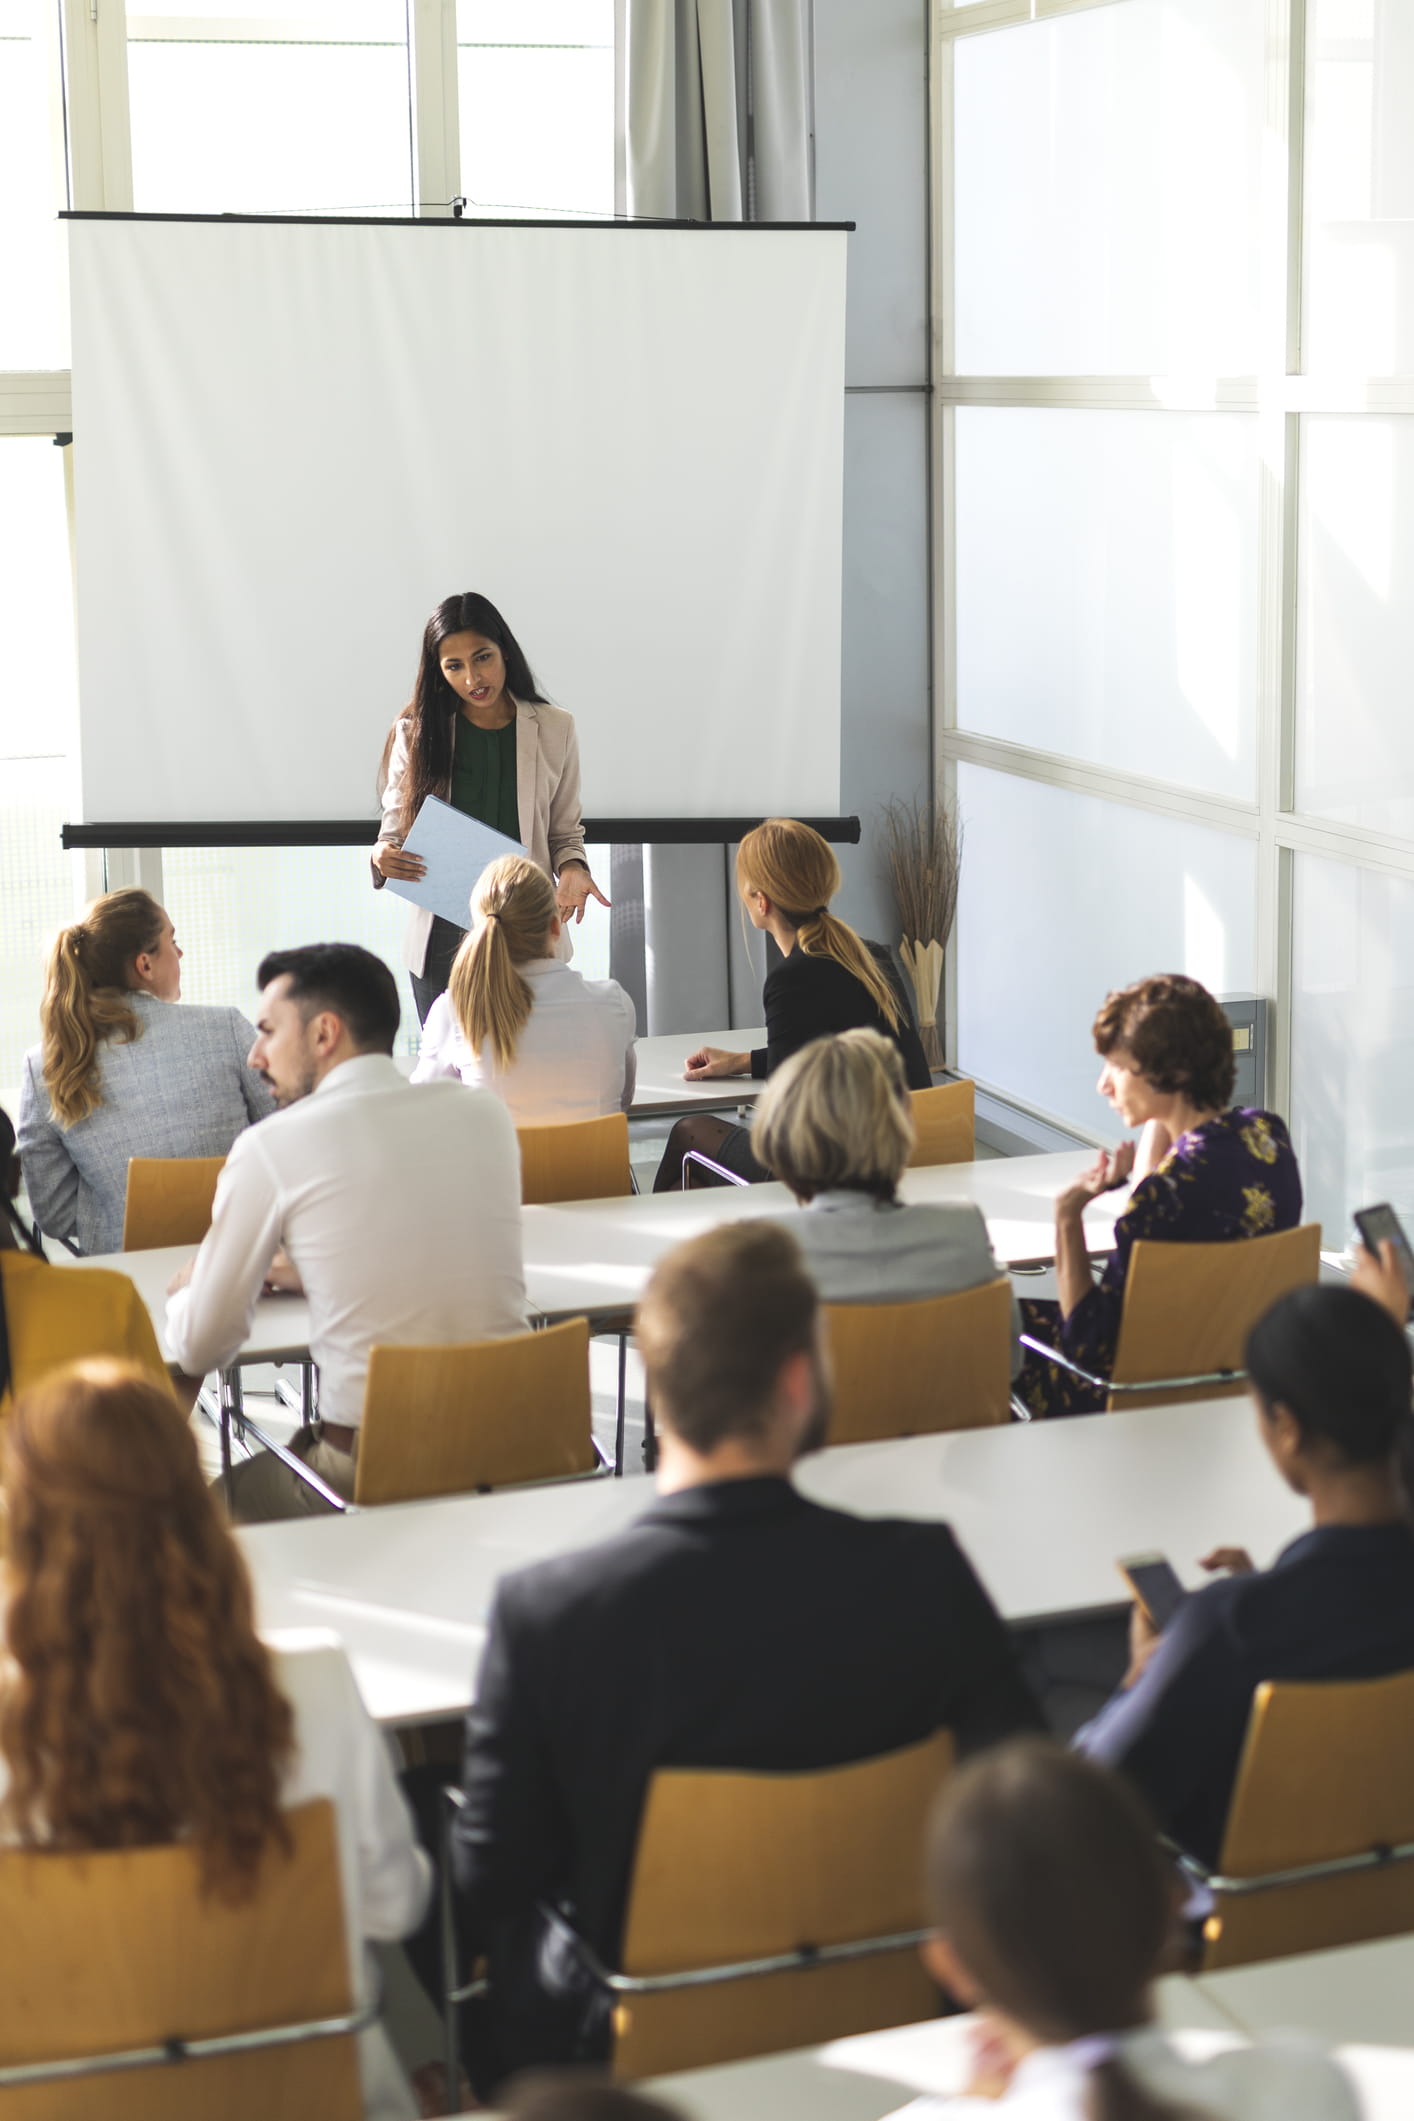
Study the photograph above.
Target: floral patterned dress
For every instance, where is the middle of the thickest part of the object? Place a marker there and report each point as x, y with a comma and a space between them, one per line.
1233, 1177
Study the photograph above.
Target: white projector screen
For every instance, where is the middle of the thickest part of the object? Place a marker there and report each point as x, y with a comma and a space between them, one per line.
293, 440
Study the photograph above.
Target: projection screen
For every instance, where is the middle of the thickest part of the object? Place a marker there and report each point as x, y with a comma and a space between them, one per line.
293, 439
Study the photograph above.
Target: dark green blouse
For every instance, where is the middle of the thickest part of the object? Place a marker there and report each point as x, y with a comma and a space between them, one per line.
484, 775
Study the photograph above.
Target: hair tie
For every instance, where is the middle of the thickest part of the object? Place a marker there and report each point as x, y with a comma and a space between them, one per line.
1089, 2053
817, 913
493, 916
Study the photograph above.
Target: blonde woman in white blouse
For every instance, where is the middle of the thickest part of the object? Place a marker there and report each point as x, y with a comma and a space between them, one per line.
1052, 1908
517, 1020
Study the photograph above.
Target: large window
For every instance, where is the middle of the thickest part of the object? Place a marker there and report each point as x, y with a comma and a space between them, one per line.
1175, 469
234, 106
301, 108
40, 885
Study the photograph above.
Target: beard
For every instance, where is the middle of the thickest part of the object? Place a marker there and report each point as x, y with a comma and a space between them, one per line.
291, 1091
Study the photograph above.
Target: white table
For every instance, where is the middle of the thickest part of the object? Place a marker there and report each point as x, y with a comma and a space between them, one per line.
660, 1089
873, 2074
1042, 1510
1361, 1995
595, 1256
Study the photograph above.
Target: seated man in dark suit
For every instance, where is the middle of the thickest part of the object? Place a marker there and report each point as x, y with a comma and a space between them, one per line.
734, 1625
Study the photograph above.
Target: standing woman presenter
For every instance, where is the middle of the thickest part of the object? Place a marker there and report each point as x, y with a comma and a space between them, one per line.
478, 734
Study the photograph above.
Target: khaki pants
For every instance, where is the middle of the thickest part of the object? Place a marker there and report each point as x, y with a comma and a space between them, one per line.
263, 1488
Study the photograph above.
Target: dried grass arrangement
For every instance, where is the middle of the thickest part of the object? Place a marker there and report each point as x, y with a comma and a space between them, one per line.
923, 843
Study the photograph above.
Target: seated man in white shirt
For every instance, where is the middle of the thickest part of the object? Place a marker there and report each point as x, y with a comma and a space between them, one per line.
398, 1208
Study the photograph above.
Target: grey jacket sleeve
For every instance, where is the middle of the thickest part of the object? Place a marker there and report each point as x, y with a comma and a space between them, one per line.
51, 1176
259, 1103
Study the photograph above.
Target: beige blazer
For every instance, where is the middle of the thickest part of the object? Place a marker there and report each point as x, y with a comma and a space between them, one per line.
547, 796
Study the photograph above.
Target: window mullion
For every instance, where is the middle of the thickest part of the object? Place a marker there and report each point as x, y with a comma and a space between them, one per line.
95, 47
432, 62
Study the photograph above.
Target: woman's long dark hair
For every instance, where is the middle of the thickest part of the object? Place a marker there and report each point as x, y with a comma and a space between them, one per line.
1044, 1875
431, 711
1341, 1367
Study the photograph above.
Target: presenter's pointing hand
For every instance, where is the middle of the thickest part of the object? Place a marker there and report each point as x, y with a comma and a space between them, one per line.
574, 890
389, 859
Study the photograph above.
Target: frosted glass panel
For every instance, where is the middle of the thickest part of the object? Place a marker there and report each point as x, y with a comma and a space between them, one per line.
1065, 897
1355, 622
1358, 277
1106, 588
1352, 1040
1107, 169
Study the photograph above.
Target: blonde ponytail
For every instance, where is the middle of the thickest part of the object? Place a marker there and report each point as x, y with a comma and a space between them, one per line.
513, 905
86, 984
798, 872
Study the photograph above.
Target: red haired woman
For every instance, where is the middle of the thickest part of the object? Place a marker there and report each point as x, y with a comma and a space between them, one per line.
137, 1704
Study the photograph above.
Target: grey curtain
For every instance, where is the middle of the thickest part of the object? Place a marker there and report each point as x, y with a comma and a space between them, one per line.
713, 110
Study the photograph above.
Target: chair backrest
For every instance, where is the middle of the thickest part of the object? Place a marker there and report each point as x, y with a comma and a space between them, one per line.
1327, 1770
442, 1421
1189, 1308
944, 1120
733, 1867
580, 1159
119, 1949
941, 1362
169, 1200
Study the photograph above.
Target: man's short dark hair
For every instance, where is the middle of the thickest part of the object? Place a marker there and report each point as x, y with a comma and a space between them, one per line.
348, 981
719, 1317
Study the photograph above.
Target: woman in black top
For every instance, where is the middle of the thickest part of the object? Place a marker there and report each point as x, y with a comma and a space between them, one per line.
830, 981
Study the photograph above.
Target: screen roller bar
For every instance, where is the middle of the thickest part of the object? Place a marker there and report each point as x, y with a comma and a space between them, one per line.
363, 832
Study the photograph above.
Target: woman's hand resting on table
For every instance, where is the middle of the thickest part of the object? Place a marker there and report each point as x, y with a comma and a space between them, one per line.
389, 859
1107, 1172
710, 1061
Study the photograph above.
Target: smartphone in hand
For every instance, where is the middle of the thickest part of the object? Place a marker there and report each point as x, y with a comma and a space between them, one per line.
1155, 1584
1377, 1224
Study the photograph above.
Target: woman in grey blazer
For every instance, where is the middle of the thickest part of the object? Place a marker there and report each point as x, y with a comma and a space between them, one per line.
835, 1125
121, 1071
478, 733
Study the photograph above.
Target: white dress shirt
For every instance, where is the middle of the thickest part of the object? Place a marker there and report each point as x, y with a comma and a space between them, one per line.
1272, 2080
341, 1754
400, 1207
574, 1057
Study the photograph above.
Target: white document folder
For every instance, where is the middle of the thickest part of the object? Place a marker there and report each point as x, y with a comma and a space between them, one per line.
456, 848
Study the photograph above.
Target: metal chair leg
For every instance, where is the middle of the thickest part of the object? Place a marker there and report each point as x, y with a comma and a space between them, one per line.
622, 1407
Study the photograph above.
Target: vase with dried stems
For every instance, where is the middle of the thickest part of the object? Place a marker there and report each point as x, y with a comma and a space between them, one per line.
923, 843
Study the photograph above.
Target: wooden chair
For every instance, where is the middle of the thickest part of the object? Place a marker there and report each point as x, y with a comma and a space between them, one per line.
1319, 1845
944, 1120
445, 1421
807, 1887
581, 1159
943, 1362
105, 1953
169, 1200
1188, 1310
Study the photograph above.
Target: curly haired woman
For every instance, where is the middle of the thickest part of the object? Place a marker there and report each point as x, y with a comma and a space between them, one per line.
137, 1704
1206, 1173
